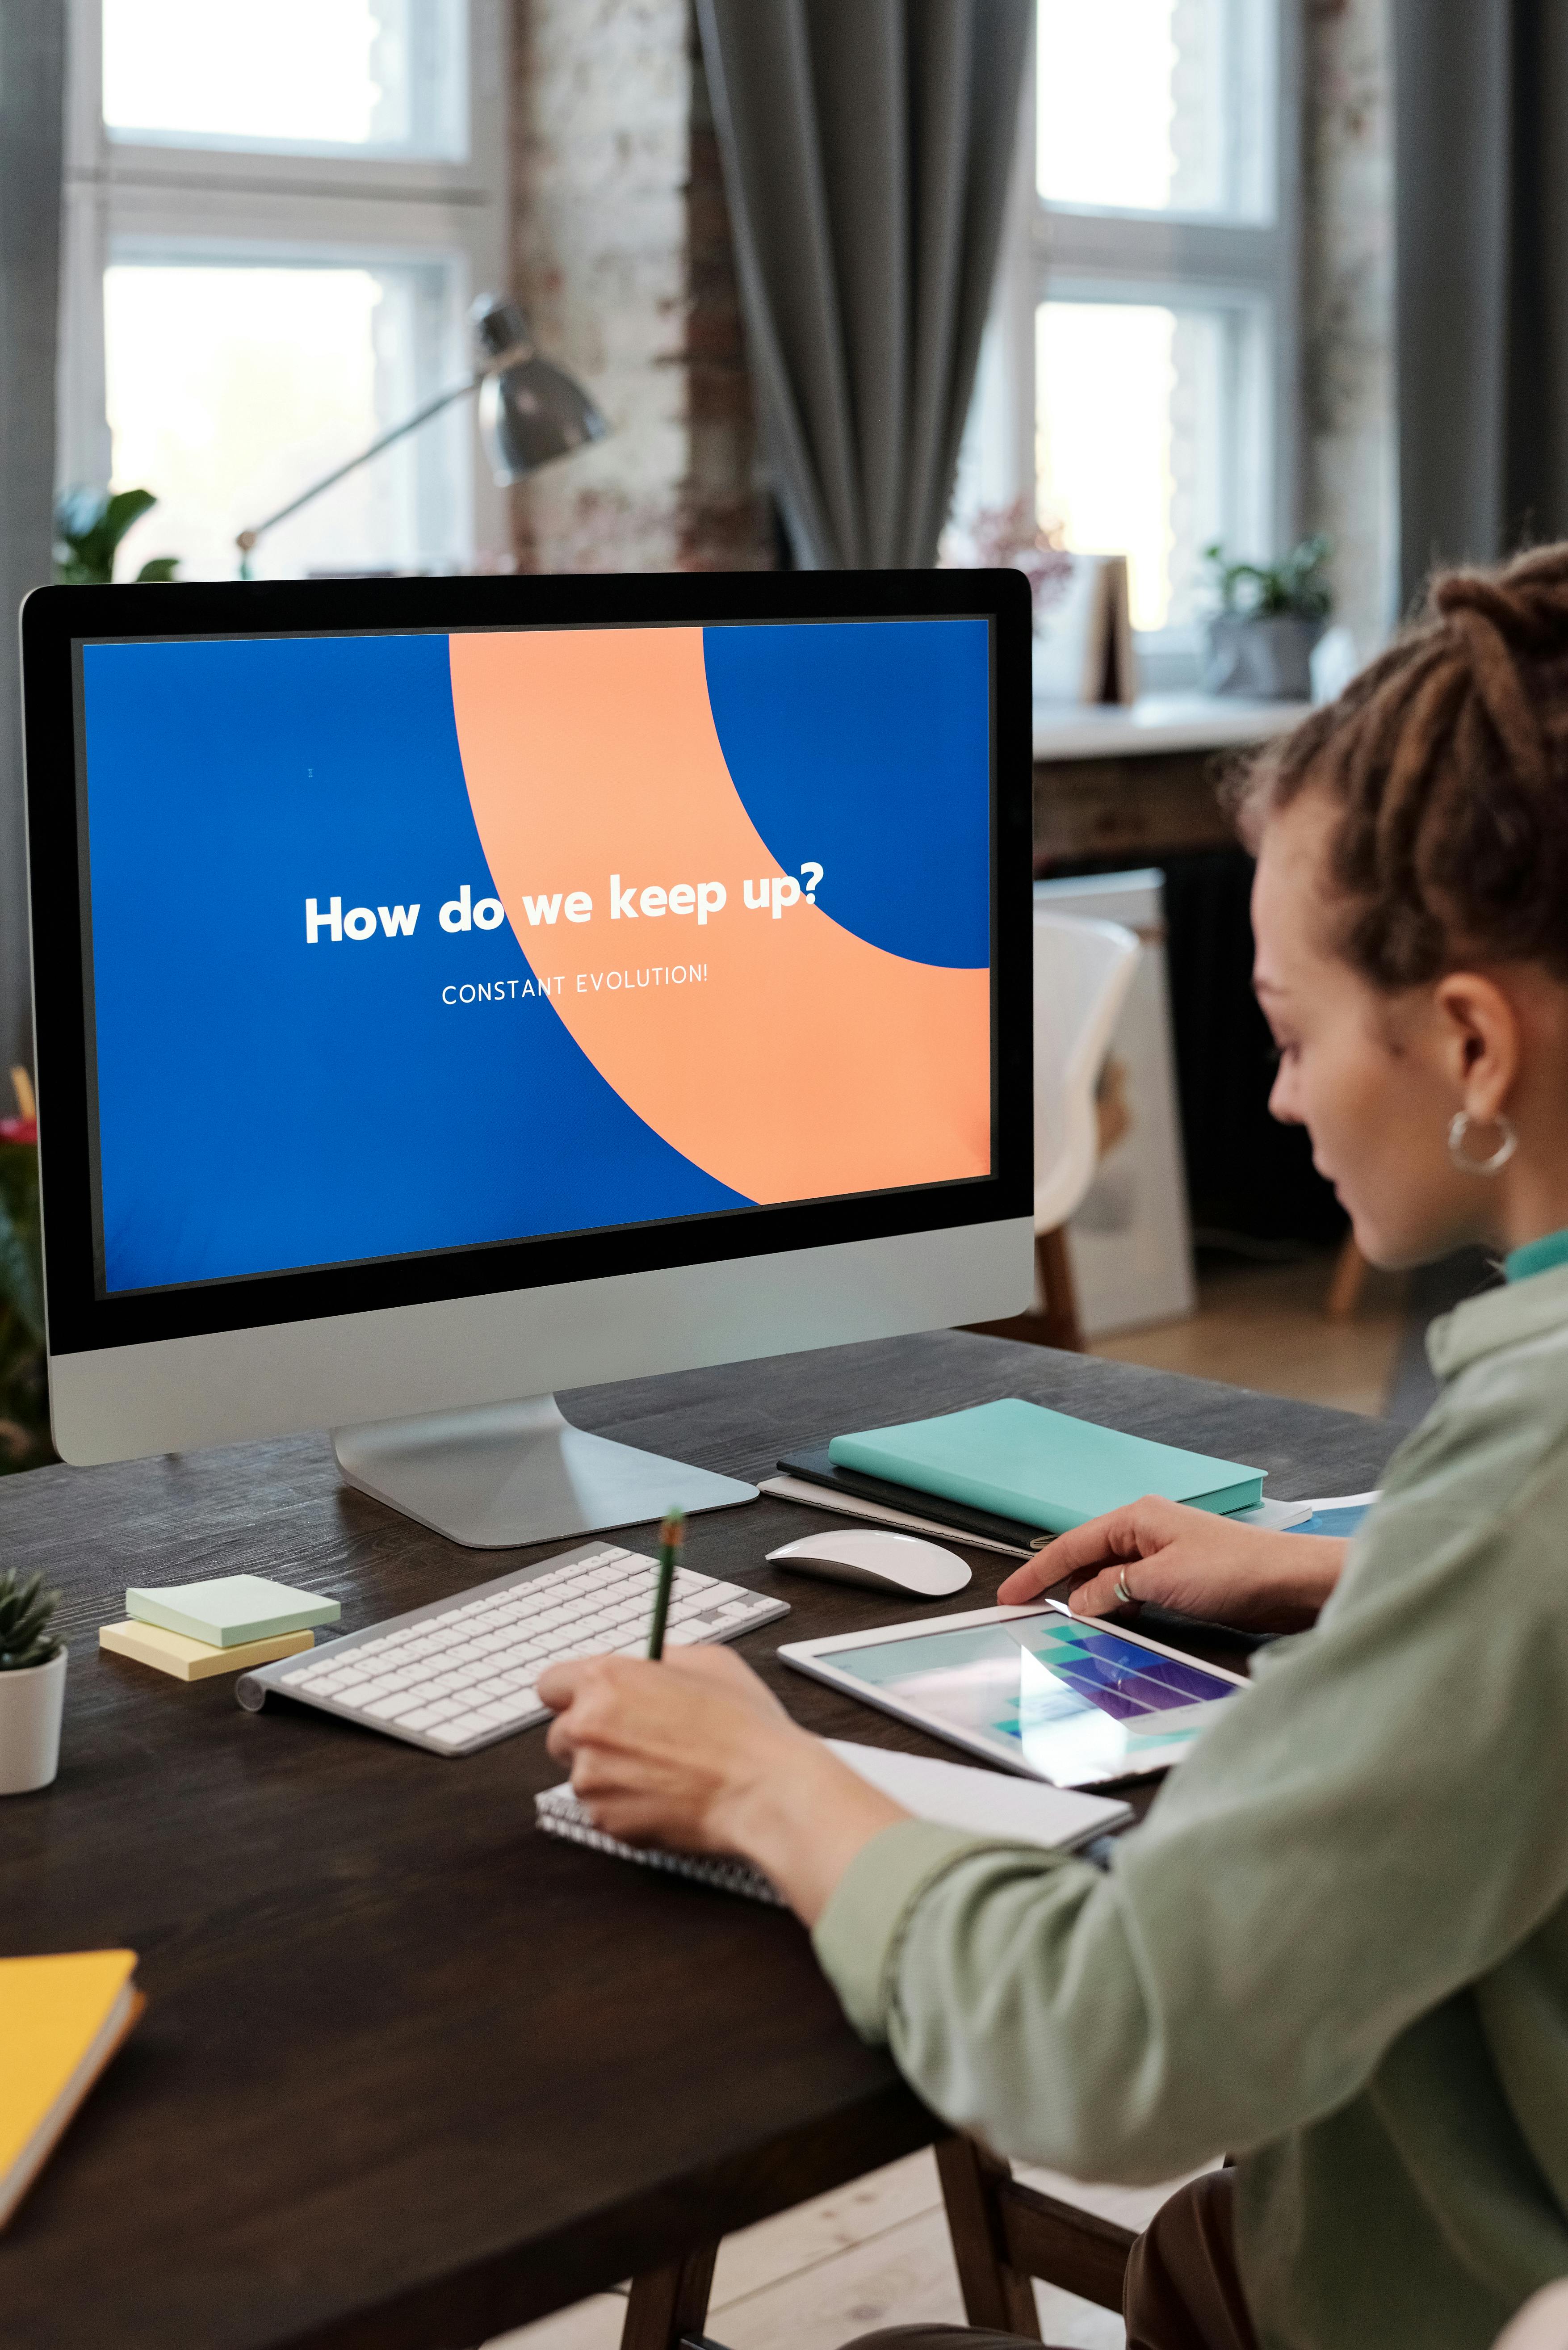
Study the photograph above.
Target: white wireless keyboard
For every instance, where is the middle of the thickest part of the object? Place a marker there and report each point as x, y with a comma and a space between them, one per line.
461, 1672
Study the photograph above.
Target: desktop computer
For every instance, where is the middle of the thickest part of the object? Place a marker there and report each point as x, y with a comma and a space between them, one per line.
453, 991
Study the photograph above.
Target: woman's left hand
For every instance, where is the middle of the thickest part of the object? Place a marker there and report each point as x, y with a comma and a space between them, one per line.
696, 1753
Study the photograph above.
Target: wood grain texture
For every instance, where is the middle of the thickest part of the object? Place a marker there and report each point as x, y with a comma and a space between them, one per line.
1148, 805
411, 2073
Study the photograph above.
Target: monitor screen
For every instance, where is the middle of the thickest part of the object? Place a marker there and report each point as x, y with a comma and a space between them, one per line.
409, 942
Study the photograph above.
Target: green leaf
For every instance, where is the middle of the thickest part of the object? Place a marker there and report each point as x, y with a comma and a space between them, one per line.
159, 570
88, 527
27, 1611
124, 508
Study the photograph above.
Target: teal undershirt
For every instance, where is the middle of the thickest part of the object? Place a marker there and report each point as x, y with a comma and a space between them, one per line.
1536, 1256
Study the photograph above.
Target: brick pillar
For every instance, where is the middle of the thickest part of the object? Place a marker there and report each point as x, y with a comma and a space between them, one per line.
621, 255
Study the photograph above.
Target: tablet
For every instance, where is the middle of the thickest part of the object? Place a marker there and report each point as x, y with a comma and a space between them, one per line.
1049, 1694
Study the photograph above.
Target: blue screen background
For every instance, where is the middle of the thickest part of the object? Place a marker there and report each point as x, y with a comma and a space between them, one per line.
260, 1108
855, 744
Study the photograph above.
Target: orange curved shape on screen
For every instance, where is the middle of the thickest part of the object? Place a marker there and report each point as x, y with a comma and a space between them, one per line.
803, 1061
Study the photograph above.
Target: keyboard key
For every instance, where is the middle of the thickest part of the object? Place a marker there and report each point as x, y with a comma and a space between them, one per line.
506, 1711
457, 1730
389, 1708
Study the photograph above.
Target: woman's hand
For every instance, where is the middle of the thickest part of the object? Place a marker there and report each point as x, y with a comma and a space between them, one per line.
696, 1753
1189, 1560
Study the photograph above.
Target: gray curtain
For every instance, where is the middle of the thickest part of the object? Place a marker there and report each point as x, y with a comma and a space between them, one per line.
866, 145
32, 72
1482, 155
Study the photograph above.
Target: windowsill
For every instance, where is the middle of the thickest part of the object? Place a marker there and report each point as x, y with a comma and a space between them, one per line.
1158, 722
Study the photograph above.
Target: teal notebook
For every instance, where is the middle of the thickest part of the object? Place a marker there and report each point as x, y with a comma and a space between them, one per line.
1041, 1467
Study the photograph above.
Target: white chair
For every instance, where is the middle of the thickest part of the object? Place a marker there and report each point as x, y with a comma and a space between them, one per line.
1083, 970
1542, 2324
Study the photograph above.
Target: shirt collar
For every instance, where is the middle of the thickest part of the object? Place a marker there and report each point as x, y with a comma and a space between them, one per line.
1499, 1318
1536, 1256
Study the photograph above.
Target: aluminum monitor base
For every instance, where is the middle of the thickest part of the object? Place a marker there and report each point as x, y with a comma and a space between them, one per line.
503, 1475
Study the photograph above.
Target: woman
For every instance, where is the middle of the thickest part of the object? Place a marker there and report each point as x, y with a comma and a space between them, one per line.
1337, 1948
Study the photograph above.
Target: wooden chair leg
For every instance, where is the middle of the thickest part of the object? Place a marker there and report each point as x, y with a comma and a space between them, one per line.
995, 2294
669, 2306
1348, 1281
1059, 1290
1053, 1320
1004, 2233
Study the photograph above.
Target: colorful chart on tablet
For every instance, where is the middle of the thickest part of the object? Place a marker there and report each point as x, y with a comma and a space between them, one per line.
1078, 1701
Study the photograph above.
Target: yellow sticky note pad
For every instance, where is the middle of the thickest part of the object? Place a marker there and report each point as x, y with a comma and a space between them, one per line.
195, 1660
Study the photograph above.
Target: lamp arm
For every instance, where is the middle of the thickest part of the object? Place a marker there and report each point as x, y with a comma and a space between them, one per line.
247, 538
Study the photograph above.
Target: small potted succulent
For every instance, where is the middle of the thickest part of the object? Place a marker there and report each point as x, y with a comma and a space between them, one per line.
1270, 617
32, 1685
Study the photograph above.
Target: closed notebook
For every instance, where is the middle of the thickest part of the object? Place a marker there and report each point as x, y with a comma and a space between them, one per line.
1021, 1461
61, 2019
985, 1525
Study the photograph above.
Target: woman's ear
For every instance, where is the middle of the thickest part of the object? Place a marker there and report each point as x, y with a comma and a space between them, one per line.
1478, 1041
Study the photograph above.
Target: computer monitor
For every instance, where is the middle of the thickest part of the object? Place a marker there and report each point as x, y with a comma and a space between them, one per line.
452, 991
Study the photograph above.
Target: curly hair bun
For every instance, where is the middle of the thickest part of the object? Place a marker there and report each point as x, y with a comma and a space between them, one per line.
1448, 759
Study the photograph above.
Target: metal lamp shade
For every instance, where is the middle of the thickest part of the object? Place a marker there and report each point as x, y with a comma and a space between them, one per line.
529, 411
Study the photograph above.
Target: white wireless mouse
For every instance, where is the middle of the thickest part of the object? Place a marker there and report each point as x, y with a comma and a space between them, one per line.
884, 1561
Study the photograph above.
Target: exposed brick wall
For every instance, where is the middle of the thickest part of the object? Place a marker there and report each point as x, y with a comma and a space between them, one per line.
621, 254
726, 523
1351, 426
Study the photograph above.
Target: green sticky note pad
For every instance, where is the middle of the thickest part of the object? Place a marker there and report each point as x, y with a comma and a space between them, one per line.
231, 1609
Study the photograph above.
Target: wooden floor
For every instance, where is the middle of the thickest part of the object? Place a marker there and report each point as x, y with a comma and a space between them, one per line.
1264, 1326
877, 2253
874, 2254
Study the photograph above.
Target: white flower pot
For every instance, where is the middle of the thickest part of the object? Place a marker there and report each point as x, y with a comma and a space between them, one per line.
31, 1704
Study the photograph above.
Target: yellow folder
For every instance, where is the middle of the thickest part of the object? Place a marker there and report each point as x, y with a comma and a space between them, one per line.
61, 2019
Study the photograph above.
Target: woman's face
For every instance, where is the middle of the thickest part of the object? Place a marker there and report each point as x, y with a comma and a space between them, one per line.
1370, 1076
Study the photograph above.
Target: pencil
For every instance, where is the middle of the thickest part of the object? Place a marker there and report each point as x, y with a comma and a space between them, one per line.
671, 1535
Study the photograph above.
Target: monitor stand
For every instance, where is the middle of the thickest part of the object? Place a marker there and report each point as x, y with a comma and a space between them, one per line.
501, 1475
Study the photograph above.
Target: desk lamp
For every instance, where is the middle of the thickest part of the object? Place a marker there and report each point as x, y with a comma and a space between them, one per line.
530, 412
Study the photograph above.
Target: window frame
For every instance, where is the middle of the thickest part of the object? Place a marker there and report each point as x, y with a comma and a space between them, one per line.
138, 195
1108, 253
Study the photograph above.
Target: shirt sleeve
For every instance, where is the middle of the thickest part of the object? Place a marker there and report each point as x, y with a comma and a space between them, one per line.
1360, 1834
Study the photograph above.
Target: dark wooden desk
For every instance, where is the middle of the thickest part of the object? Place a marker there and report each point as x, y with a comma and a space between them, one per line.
412, 2073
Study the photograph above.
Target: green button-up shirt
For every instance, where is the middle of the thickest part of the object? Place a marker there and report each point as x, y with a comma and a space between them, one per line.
1337, 1948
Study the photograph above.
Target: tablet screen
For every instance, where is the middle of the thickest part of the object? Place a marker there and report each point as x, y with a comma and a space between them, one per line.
1077, 1701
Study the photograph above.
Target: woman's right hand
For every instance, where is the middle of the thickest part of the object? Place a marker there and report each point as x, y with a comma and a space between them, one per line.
1189, 1560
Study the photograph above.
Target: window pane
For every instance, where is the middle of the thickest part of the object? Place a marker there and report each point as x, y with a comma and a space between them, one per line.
1150, 441
231, 389
1156, 105
379, 76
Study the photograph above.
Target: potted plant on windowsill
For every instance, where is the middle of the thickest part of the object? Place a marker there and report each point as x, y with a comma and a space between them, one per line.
32, 1685
1270, 617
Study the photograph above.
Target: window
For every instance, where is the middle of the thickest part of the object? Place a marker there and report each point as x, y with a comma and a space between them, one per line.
265, 268
1140, 375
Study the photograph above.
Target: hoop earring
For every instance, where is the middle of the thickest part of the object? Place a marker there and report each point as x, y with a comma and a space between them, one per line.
1458, 1129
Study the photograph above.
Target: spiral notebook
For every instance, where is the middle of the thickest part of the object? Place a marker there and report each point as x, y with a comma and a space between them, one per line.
952, 1795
